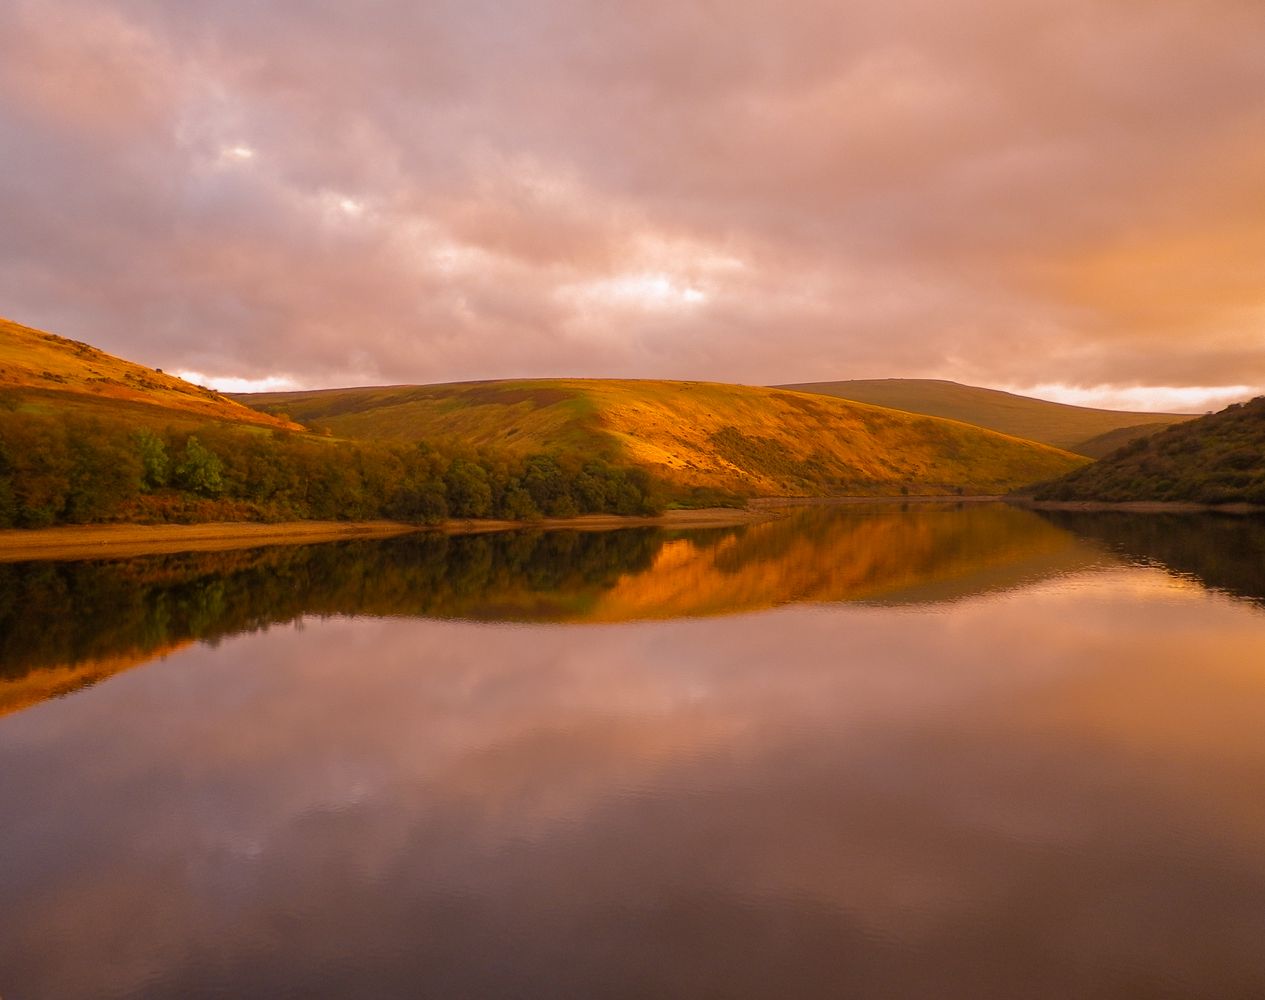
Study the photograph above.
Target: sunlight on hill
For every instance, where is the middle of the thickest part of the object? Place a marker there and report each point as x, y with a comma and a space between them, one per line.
46, 367
699, 435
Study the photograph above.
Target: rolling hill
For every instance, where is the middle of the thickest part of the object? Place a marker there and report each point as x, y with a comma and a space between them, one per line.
1215, 459
692, 435
85, 436
42, 370
1078, 429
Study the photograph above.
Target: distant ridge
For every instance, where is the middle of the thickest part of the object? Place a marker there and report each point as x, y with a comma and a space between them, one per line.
748, 440
1082, 430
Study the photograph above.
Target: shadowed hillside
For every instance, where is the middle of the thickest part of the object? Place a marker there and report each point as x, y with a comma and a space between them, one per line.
697, 435
1078, 429
1215, 459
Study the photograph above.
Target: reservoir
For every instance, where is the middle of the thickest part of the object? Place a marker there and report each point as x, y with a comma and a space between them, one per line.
943, 751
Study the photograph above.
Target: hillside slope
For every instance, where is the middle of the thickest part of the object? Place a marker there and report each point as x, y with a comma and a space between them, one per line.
1215, 459
42, 369
1073, 428
699, 435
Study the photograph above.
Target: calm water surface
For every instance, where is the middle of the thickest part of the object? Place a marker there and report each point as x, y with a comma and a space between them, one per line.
860, 752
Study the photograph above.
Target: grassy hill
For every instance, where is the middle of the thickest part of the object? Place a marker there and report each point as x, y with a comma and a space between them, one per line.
1215, 459
86, 437
1078, 429
693, 435
42, 370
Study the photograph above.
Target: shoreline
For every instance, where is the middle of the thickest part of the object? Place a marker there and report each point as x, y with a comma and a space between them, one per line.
777, 503
1139, 506
121, 541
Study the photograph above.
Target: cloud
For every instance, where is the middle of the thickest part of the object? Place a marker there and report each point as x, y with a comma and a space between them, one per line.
1042, 194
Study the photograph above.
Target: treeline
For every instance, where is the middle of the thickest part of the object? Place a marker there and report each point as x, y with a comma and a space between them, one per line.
64, 468
1217, 459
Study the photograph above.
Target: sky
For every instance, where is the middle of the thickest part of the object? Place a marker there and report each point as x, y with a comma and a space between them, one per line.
1058, 196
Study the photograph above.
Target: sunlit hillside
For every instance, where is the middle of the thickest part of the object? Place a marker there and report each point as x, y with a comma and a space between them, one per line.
1079, 429
700, 435
43, 371
88, 438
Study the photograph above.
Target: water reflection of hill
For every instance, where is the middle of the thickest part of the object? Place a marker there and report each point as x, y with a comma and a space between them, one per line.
63, 625
872, 553
1223, 552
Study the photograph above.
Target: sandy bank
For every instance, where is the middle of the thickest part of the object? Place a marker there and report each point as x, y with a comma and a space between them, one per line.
777, 503
97, 541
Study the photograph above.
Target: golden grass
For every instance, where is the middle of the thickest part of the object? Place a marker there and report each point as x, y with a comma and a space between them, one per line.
692, 435
52, 367
749, 439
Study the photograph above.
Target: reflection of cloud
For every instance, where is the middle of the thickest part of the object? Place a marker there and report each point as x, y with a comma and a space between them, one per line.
864, 796
912, 188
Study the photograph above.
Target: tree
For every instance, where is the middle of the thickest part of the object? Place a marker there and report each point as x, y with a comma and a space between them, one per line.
155, 465
469, 493
200, 469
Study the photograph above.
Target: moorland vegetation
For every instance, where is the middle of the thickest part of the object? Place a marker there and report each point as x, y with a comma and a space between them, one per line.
1215, 459
67, 468
86, 437
745, 440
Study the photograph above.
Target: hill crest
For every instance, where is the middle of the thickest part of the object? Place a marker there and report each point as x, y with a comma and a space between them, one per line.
1082, 430
46, 365
699, 435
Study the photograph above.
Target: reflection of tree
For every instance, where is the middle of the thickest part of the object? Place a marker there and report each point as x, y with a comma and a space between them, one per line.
63, 614
1224, 552
57, 614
